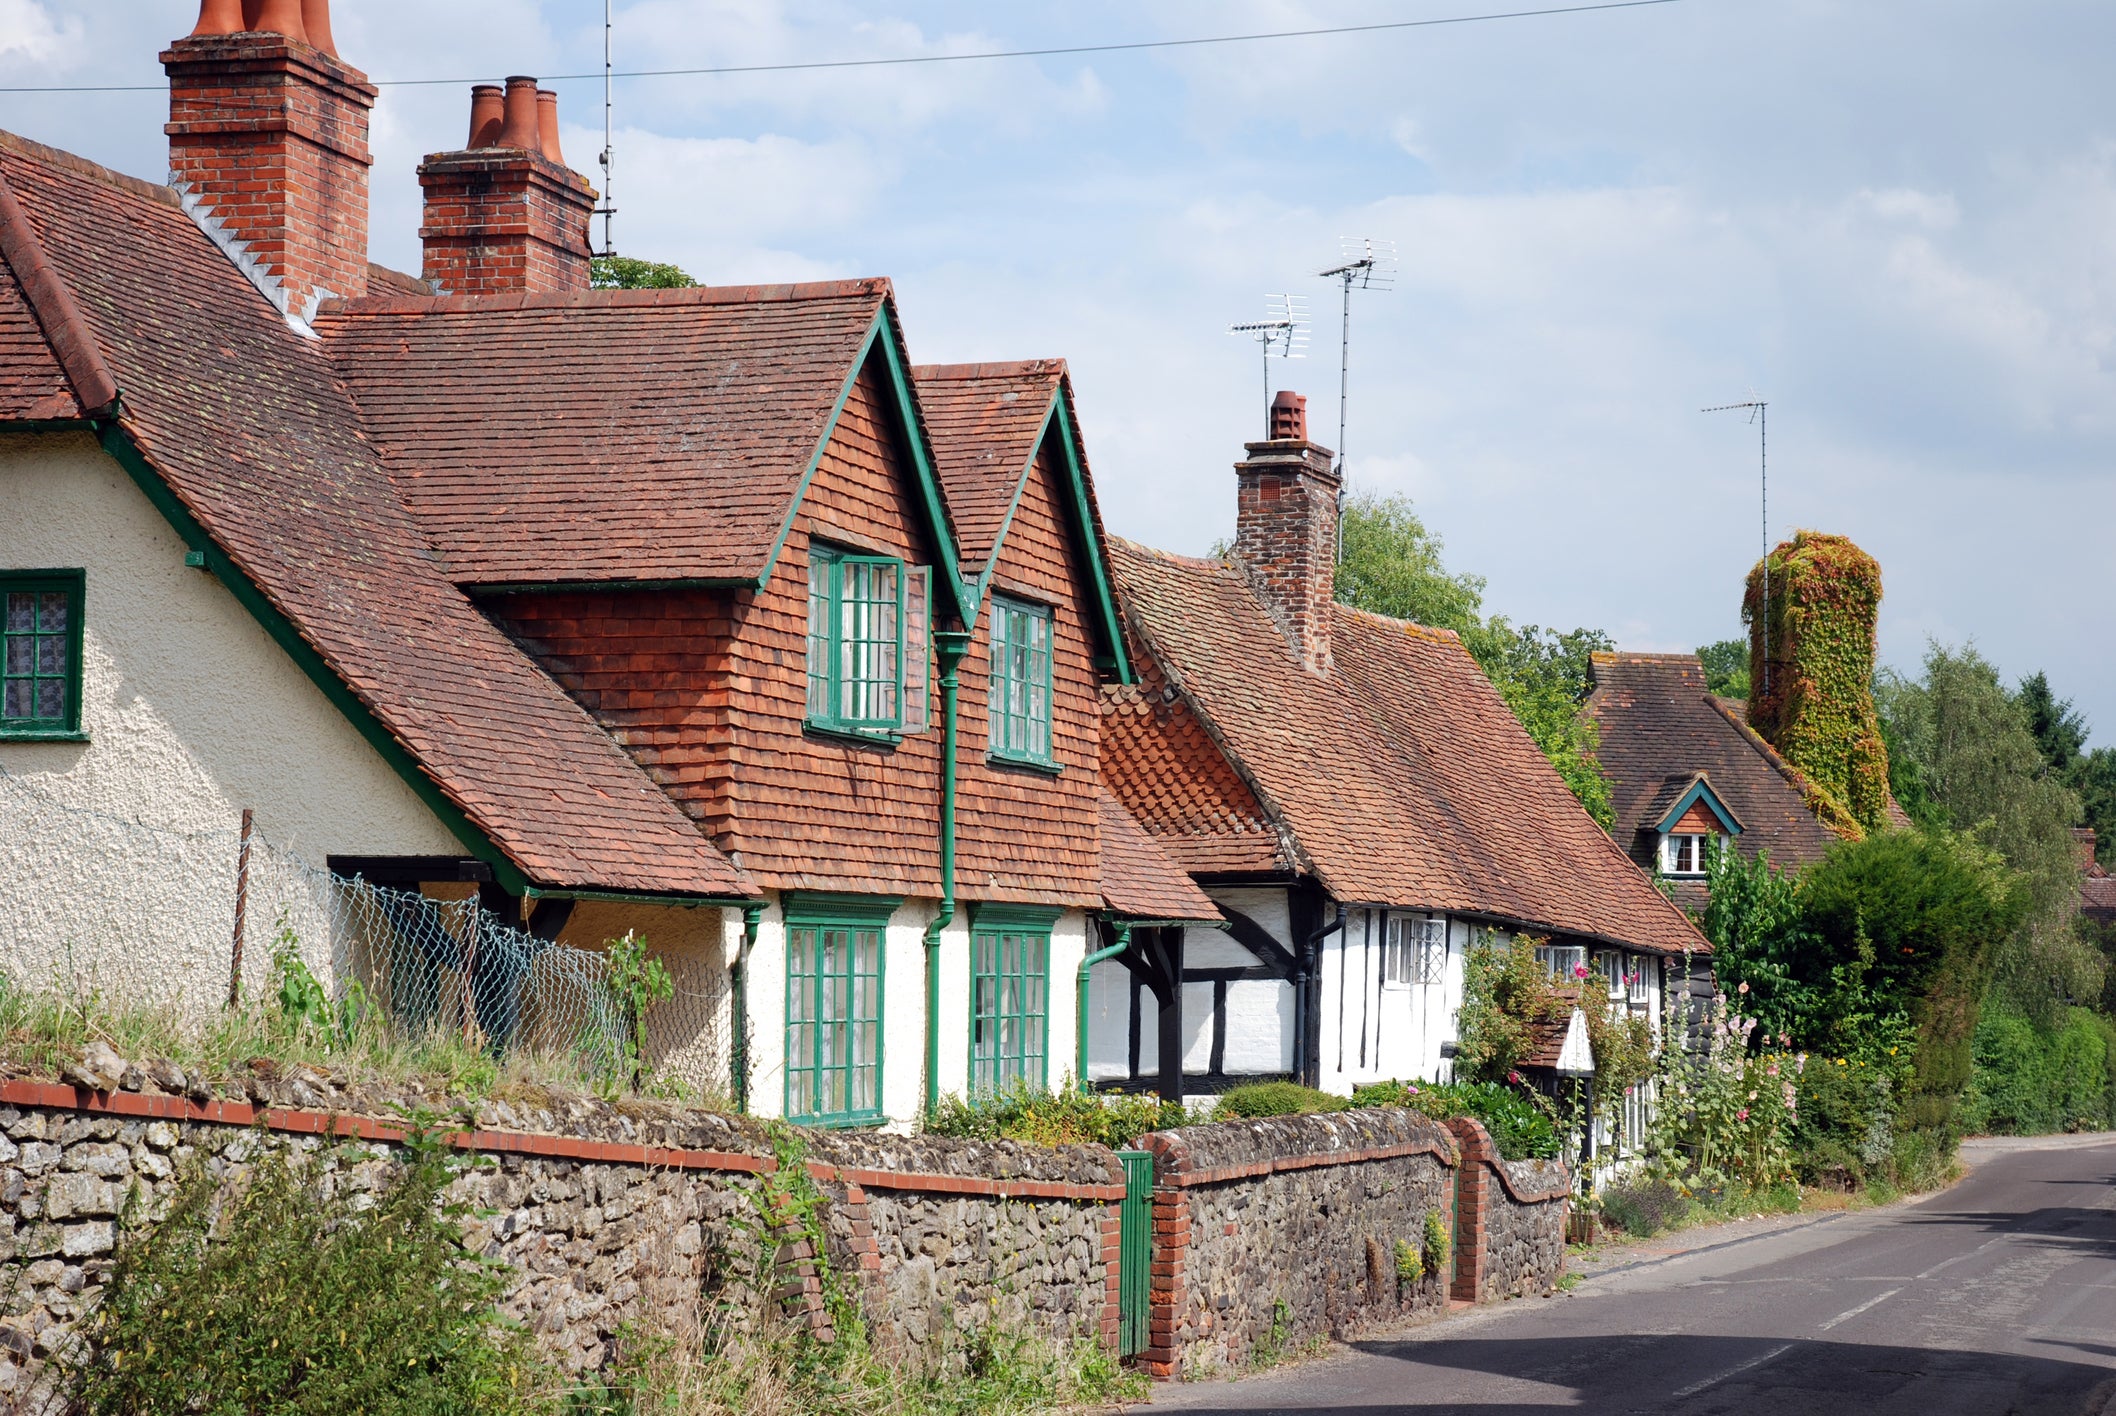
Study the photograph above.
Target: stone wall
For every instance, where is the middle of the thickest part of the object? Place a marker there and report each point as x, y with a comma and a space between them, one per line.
608, 1213
1510, 1241
1276, 1232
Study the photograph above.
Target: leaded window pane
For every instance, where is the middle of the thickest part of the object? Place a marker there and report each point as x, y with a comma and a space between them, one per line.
39, 668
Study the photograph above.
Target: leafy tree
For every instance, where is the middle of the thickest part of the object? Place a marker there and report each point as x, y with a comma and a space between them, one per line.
2059, 730
1726, 667
1392, 565
1972, 747
632, 273
1923, 912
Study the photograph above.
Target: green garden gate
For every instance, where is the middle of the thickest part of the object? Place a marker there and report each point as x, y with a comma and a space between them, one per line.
1135, 1249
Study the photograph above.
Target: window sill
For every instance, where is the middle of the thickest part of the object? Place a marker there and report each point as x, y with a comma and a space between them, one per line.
1027, 764
864, 1120
34, 735
865, 737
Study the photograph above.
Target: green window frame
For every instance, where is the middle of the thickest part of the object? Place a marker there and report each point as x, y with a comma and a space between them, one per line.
867, 652
1010, 991
836, 951
1020, 701
40, 654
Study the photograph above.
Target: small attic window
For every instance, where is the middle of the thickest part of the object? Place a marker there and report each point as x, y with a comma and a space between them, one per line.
40, 654
1684, 853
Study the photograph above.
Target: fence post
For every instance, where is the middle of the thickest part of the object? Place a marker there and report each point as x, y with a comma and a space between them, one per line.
242, 905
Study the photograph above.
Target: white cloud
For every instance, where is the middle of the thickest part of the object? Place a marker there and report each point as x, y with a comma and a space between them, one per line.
29, 35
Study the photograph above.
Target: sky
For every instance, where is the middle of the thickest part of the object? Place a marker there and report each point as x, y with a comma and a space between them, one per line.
1895, 220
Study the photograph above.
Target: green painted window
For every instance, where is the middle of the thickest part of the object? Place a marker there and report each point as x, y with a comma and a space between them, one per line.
834, 950
40, 659
1021, 681
1010, 952
867, 655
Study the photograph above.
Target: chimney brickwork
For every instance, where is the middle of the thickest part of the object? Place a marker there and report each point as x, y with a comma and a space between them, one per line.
268, 145
1285, 529
506, 215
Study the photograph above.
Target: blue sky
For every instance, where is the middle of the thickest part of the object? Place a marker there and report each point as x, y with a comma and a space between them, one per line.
1895, 220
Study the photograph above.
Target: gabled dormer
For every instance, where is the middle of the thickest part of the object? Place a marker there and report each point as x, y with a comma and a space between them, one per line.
1682, 821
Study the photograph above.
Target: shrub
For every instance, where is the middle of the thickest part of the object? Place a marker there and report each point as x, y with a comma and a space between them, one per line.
2030, 1081
1276, 1099
1520, 1129
294, 1294
1643, 1207
1067, 1116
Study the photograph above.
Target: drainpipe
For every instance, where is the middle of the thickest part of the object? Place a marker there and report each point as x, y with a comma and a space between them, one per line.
1080, 1000
949, 646
738, 1052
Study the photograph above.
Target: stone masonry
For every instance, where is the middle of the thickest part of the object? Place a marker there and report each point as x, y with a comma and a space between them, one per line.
1283, 1230
1510, 1242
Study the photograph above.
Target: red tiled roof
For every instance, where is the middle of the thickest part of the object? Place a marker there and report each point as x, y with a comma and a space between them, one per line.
246, 423
1138, 878
987, 421
2097, 896
608, 435
1657, 719
1402, 779
32, 385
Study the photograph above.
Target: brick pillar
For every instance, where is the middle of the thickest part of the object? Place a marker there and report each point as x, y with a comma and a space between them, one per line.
1164, 1344
798, 1272
507, 216
268, 145
1473, 1198
1112, 1268
1285, 530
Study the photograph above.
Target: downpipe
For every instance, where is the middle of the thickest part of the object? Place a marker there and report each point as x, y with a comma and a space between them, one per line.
738, 1053
950, 648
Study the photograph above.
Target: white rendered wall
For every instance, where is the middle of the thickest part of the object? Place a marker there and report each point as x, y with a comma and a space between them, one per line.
1109, 1022
192, 713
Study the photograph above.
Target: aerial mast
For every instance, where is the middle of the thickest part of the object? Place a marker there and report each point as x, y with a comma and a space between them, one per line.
1759, 413
1368, 265
1284, 331
608, 208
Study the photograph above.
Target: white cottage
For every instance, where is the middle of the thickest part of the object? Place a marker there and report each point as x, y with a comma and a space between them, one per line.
1357, 799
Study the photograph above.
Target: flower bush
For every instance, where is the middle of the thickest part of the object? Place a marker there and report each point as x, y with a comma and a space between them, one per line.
1726, 1112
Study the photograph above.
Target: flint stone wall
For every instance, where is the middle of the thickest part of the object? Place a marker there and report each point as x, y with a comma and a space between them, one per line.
1283, 1230
1524, 1235
608, 1213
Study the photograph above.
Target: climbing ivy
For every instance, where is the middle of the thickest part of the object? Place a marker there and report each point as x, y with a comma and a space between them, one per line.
1818, 707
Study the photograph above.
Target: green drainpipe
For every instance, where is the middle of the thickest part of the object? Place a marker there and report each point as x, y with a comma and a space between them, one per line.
950, 646
1080, 1000
738, 1052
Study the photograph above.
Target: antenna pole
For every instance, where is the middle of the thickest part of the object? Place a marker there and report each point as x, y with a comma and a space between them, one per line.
1344, 390
609, 206
1763, 463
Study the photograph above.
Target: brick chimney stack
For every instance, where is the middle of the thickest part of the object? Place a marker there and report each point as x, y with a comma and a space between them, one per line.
505, 215
1285, 529
268, 146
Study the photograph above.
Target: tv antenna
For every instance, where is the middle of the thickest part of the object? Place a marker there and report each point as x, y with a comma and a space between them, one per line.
1284, 331
1368, 265
608, 208
1759, 413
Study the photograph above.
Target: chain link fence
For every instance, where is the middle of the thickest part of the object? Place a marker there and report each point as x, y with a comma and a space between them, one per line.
147, 915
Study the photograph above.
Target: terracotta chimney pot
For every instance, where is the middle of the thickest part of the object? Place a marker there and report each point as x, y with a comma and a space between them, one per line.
547, 124
316, 19
520, 130
1289, 417
488, 114
219, 17
281, 17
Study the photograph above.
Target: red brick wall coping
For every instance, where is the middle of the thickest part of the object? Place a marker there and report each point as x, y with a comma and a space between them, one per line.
1477, 1145
1184, 1179
297, 1121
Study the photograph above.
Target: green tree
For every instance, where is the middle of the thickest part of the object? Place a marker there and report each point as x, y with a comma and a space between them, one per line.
631, 273
1726, 667
1973, 748
2061, 732
1392, 565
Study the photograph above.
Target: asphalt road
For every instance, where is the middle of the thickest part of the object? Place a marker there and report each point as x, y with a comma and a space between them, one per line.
1998, 1295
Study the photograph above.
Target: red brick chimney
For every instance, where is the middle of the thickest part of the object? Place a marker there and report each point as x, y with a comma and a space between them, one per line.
505, 214
2083, 841
268, 146
1285, 529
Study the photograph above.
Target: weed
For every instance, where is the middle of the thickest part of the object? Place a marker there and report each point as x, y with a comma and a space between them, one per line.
1410, 1262
1439, 1243
1067, 1116
1568, 1280
1269, 1349
1276, 1099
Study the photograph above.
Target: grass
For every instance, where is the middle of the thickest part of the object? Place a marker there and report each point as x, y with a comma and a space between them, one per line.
44, 1030
777, 1372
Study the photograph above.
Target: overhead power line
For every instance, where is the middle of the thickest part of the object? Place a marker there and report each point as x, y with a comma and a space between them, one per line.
1053, 52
